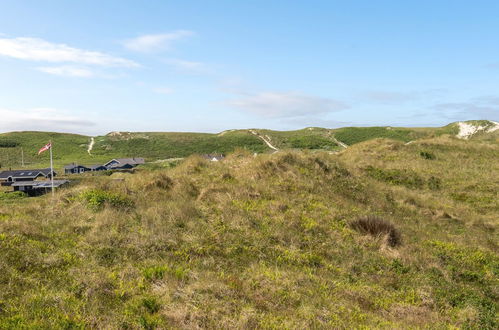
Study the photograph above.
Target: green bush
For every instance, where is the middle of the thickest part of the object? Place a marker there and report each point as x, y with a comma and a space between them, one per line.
96, 199
434, 183
8, 144
12, 195
311, 142
405, 178
352, 135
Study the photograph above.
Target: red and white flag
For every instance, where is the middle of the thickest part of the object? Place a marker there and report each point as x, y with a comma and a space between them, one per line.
45, 148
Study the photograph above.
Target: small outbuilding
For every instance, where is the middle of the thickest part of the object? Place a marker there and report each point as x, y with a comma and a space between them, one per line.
214, 157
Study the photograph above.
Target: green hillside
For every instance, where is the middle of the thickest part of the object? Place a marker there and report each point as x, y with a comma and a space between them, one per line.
308, 138
169, 145
382, 235
154, 146
66, 147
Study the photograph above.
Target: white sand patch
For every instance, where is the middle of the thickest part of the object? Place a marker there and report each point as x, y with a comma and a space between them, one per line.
468, 130
493, 128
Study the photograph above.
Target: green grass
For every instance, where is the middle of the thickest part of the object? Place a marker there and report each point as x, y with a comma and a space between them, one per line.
69, 148
352, 135
308, 138
65, 147
171, 145
264, 242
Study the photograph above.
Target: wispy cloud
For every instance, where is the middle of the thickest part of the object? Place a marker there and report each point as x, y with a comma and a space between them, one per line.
188, 66
486, 107
398, 97
67, 71
156, 42
34, 49
286, 104
41, 119
163, 90
492, 65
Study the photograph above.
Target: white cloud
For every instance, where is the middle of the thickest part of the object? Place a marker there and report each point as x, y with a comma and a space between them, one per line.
34, 49
398, 97
156, 42
68, 71
163, 90
190, 66
468, 110
286, 104
41, 119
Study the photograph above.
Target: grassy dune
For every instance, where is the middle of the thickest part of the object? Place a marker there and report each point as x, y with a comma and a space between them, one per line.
153, 146
270, 241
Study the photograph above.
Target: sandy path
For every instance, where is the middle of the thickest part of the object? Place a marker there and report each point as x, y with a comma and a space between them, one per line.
339, 142
91, 146
267, 142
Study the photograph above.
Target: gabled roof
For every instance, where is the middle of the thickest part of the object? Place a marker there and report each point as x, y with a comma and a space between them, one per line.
121, 166
28, 174
132, 161
46, 172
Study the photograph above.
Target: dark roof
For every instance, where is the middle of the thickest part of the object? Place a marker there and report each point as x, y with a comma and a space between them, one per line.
93, 167
46, 172
132, 161
120, 166
72, 166
40, 184
25, 173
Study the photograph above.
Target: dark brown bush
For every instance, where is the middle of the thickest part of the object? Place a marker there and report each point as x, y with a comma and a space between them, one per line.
376, 226
162, 181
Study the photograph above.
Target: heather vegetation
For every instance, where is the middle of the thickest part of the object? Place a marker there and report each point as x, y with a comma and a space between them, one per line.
294, 239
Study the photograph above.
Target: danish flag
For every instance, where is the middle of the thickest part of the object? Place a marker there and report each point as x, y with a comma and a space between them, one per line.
45, 147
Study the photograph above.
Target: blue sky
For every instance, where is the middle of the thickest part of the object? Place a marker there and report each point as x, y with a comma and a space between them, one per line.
97, 66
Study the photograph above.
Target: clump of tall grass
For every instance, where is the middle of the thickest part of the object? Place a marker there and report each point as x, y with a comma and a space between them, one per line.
427, 155
162, 181
376, 226
96, 199
12, 195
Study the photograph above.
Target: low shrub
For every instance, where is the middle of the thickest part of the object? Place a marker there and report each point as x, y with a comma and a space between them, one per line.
375, 226
12, 195
162, 181
405, 178
427, 155
8, 144
434, 183
96, 199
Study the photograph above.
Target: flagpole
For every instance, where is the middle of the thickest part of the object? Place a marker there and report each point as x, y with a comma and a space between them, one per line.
51, 169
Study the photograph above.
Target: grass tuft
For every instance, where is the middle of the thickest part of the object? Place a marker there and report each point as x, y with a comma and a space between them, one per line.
375, 226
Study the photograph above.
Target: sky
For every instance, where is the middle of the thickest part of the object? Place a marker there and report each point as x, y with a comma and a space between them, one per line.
93, 67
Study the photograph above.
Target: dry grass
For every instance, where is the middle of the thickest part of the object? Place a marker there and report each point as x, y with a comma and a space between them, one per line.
259, 242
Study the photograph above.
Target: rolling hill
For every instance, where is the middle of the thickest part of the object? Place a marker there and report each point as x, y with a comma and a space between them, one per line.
154, 146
